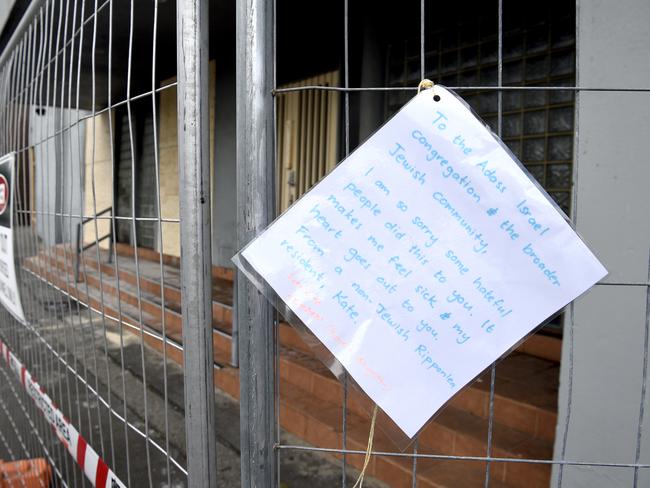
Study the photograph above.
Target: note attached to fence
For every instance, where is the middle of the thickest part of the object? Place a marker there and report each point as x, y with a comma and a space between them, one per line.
423, 257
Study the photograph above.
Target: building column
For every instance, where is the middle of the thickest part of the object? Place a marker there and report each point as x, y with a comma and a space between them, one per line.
604, 365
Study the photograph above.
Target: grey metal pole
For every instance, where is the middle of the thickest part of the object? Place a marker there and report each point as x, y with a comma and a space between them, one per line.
196, 257
255, 210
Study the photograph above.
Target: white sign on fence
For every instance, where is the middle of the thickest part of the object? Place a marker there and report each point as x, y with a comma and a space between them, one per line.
423, 257
9, 292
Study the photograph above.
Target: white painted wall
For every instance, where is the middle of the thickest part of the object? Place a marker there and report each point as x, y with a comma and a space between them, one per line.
59, 172
603, 350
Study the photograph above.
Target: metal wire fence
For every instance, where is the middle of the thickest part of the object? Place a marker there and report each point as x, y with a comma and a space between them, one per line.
65, 74
113, 145
428, 462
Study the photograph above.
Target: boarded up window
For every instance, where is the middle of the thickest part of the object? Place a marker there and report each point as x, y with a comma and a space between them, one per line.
139, 134
308, 128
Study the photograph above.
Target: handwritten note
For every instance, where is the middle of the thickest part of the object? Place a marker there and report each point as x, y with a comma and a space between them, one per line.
423, 257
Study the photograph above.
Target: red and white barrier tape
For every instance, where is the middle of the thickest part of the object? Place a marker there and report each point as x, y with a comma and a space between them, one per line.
97, 471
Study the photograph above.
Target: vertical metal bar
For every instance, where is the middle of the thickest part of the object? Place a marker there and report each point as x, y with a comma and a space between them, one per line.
79, 228
160, 239
30, 308
113, 249
422, 41
255, 210
39, 312
134, 240
84, 328
19, 238
234, 352
21, 129
639, 434
276, 315
414, 466
196, 254
77, 252
67, 335
3, 108
40, 290
54, 49
8, 323
346, 75
27, 250
488, 452
568, 336
64, 334
97, 255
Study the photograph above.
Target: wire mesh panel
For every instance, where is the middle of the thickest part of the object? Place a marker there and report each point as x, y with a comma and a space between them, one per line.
96, 236
114, 148
516, 67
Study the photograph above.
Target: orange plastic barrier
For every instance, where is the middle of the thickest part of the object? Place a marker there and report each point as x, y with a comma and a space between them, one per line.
29, 473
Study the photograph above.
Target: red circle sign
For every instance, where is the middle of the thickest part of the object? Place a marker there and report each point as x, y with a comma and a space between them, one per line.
4, 194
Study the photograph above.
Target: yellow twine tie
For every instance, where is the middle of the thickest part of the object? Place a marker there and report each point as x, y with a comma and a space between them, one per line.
425, 85
366, 461
429, 85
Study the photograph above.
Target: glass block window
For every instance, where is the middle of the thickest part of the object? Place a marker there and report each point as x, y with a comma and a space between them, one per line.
537, 125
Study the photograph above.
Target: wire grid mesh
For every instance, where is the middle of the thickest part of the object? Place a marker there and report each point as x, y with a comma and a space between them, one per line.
58, 82
556, 86
73, 66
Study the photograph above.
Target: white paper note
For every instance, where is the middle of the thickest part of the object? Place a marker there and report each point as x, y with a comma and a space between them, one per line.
423, 257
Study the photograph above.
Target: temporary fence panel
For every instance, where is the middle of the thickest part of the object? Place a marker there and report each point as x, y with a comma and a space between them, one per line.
517, 70
87, 381
111, 145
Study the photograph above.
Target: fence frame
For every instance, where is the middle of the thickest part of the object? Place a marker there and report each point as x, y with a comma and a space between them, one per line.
196, 256
255, 331
255, 80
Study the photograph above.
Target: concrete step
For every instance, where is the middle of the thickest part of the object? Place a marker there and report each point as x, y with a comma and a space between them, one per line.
455, 431
150, 303
320, 423
526, 408
524, 419
150, 327
525, 389
149, 273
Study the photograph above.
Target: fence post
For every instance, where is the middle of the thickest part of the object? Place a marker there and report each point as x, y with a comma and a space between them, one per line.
196, 258
255, 210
